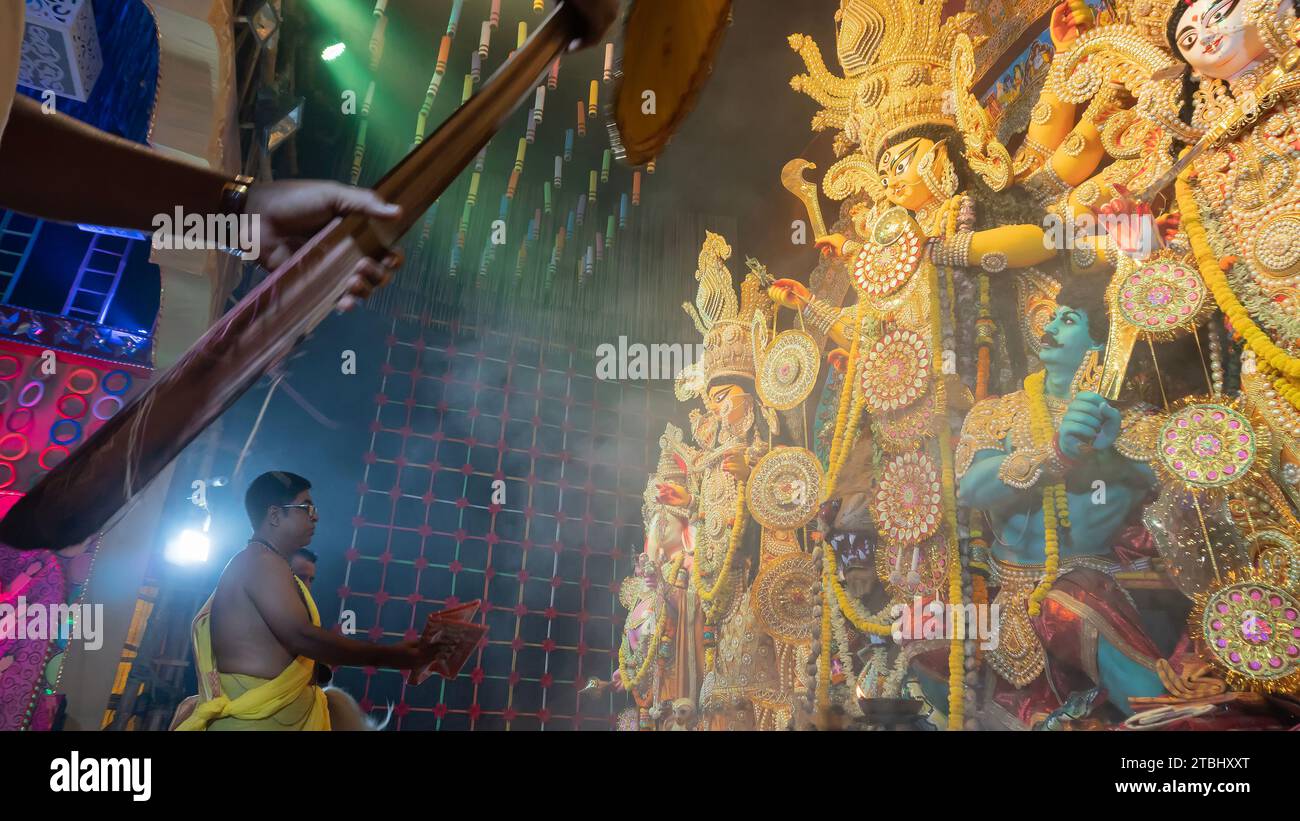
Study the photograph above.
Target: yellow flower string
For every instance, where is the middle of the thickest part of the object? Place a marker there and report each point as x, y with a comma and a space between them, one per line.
849, 414
849, 607
956, 660
1264, 348
708, 595
1284, 387
631, 682
1056, 505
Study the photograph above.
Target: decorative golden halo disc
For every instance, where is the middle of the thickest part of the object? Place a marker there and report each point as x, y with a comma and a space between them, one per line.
783, 599
785, 488
788, 370
1252, 629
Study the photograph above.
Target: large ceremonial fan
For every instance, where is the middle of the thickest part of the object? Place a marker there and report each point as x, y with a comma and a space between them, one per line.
668, 52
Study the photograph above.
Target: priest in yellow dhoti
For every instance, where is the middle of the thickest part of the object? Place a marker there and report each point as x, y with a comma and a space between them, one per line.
231, 701
258, 638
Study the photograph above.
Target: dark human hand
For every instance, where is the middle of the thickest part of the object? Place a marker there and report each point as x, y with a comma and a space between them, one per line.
290, 212
424, 651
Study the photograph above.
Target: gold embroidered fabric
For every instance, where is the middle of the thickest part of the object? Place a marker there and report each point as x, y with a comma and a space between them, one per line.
746, 661
1019, 656
986, 428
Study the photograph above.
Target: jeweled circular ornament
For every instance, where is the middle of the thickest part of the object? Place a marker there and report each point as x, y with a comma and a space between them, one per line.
788, 370
908, 498
1162, 296
896, 372
783, 599
891, 255
1252, 628
891, 226
1277, 246
785, 488
1207, 445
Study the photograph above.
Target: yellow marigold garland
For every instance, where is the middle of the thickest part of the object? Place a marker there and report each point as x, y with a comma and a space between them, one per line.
1285, 388
849, 414
708, 595
848, 606
1056, 505
631, 682
1264, 348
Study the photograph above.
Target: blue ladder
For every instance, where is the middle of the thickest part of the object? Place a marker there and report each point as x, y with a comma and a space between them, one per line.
18, 234
98, 277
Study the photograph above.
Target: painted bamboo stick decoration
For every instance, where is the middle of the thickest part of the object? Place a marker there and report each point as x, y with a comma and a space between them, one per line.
453, 23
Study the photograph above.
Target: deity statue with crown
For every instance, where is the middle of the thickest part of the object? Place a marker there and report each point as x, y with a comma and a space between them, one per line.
661, 656
943, 218
1208, 138
720, 609
1198, 471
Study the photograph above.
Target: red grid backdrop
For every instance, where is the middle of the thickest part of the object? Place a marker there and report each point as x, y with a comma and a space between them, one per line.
457, 411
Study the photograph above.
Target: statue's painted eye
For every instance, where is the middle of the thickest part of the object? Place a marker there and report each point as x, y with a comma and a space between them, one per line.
901, 168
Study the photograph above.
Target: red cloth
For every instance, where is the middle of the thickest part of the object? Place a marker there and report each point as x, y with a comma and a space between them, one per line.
1082, 600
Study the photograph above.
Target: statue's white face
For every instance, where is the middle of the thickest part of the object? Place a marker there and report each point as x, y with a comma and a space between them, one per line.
1216, 40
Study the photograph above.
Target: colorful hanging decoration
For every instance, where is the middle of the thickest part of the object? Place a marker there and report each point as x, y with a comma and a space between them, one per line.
582, 239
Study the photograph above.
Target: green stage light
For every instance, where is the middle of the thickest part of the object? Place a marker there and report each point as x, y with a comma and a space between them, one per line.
333, 52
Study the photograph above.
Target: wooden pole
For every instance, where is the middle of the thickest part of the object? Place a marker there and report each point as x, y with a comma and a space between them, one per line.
99, 481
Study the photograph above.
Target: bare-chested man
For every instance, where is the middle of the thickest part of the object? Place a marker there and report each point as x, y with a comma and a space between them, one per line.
259, 636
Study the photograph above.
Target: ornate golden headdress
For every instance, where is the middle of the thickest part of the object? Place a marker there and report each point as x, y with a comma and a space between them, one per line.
906, 67
724, 323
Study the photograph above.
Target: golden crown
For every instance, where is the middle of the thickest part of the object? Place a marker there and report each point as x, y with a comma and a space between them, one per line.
721, 318
905, 66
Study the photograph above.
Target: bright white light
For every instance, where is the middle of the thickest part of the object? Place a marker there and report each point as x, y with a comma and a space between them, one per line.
332, 53
189, 547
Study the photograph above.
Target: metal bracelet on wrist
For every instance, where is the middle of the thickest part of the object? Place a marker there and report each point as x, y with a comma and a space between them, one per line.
234, 195
819, 315
953, 251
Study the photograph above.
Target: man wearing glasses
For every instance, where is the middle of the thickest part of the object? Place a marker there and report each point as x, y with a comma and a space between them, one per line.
258, 638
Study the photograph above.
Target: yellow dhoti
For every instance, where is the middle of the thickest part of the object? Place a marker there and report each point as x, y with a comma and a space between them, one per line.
231, 701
